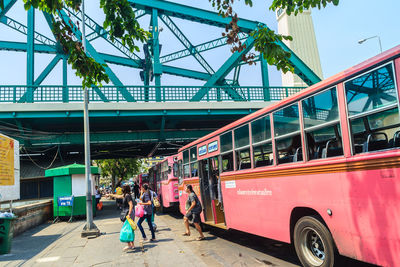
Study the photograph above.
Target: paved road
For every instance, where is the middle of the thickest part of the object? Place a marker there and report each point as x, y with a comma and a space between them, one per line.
61, 245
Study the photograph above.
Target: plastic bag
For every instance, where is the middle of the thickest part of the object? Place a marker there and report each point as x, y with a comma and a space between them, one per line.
126, 234
100, 206
131, 222
139, 211
156, 202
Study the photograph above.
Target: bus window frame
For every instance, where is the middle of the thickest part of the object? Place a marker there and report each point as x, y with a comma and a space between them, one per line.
327, 124
272, 140
193, 162
237, 150
184, 164
360, 115
277, 138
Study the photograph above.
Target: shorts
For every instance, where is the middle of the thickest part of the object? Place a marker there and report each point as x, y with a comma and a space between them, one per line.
193, 217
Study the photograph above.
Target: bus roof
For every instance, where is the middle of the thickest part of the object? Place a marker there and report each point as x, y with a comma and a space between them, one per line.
370, 63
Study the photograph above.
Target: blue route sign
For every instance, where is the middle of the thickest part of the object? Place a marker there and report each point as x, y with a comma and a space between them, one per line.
67, 201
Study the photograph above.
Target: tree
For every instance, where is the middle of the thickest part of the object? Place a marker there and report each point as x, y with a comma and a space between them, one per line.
121, 23
120, 168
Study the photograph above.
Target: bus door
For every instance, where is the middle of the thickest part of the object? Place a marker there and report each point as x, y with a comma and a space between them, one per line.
210, 191
205, 191
216, 193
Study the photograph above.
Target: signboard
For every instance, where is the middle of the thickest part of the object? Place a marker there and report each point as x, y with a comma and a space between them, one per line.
213, 146
66, 201
202, 150
9, 168
6, 160
230, 184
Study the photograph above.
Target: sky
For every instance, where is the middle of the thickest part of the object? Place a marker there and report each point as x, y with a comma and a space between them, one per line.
337, 29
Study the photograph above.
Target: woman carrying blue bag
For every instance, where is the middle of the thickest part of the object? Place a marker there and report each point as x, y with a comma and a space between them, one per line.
127, 234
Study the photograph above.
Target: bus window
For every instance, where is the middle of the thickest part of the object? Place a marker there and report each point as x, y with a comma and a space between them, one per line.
175, 169
186, 171
164, 170
262, 142
321, 125
180, 172
226, 142
227, 162
186, 164
185, 156
372, 106
263, 155
242, 148
287, 135
243, 159
194, 165
227, 152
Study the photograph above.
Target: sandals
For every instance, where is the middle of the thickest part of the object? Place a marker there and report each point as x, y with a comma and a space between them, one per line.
185, 234
200, 238
127, 248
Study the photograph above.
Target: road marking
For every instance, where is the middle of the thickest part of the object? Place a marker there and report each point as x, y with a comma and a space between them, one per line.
48, 259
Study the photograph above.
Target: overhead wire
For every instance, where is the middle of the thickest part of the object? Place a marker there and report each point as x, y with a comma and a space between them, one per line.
37, 165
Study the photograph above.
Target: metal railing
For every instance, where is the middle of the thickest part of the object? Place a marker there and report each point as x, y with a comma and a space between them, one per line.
70, 94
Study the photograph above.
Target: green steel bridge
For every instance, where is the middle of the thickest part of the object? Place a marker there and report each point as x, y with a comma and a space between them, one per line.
132, 121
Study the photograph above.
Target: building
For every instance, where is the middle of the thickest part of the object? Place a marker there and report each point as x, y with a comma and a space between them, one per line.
304, 43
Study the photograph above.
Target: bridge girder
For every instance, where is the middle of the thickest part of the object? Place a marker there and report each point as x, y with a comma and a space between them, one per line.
165, 11
216, 87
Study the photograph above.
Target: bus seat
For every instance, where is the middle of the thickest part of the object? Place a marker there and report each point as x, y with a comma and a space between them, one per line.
374, 144
244, 165
358, 148
396, 139
317, 153
260, 163
298, 155
286, 159
332, 149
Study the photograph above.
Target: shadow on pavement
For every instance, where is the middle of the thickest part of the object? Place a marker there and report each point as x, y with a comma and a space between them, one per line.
28, 244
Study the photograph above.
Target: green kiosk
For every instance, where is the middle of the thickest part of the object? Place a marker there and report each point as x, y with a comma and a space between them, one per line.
69, 185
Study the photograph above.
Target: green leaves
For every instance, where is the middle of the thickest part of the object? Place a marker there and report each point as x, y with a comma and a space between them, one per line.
91, 72
297, 6
266, 43
121, 23
123, 168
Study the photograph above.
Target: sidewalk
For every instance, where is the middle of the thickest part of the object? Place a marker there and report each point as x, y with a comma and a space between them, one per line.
60, 244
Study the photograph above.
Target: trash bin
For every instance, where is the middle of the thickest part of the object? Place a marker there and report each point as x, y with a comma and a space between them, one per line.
6, 234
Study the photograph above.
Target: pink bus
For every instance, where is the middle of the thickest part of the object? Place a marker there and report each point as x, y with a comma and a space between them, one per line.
319, 169
167, 182
149, 179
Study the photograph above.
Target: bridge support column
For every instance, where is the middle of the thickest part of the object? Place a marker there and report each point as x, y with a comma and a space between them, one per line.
265, 78
65, 93
30, 64
157, 70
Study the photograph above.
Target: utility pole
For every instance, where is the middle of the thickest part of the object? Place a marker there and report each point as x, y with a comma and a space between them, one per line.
90, 229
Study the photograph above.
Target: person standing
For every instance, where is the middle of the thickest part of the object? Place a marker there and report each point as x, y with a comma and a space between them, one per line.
118, 191
136, 190
145, 199
193, 210
127, 206
97, 195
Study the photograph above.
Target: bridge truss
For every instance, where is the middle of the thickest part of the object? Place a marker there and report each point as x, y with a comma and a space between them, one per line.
216, 86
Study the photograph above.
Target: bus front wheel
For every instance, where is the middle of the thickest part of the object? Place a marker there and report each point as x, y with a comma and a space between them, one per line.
313, 243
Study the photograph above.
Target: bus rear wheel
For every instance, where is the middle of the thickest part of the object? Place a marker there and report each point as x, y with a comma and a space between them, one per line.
313, 243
